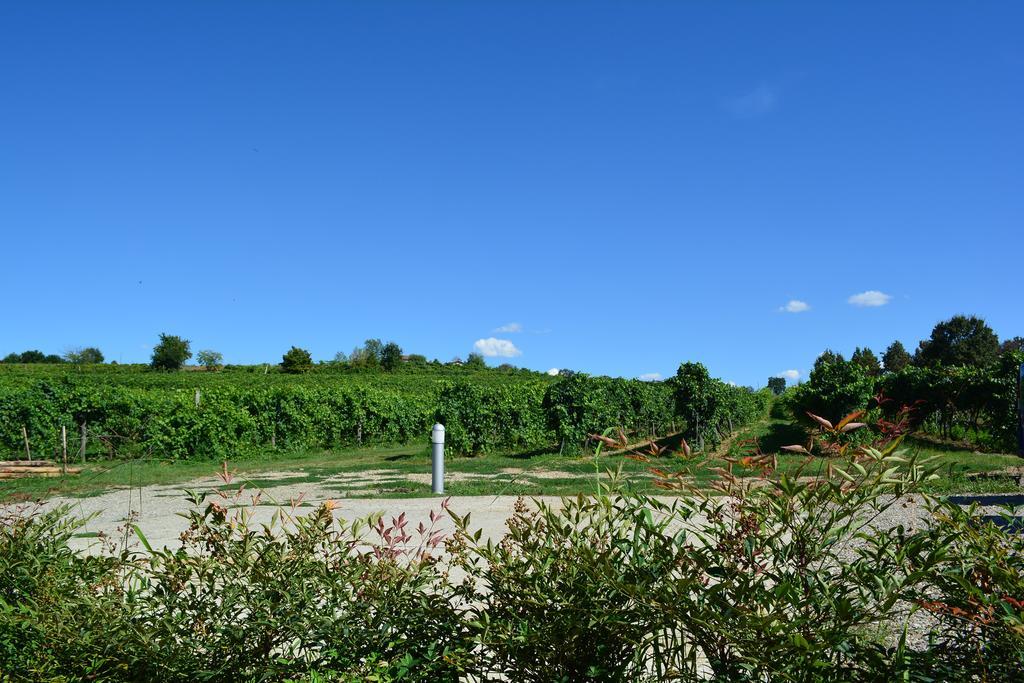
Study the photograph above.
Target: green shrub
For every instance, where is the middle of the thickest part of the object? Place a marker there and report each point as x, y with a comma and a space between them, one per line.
792, 579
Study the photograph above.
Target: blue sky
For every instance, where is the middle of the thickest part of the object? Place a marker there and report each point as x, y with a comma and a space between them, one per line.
628, 185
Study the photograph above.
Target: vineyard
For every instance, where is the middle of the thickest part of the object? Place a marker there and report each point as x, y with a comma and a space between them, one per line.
128, 411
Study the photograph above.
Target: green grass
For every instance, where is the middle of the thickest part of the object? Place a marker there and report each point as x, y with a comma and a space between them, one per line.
535, 473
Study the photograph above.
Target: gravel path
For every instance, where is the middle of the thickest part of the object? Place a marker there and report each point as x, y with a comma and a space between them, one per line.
158, 509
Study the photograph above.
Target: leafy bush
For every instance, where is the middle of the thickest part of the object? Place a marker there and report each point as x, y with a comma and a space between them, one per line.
777, 577
238, 602
554, 601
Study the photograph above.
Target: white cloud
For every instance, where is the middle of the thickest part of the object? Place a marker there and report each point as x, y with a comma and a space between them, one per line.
795, 306
509, 328
791, 375
762, 100
554, 372
650, 376
496, 348
872, 297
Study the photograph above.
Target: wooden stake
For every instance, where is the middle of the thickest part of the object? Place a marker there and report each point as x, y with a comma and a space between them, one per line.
197, 398
28, 451
84, 440
64, 447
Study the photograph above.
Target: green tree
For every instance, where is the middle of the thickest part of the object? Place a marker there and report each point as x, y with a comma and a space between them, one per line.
368, 355
390, 356
777, 385
476, 362
962, 340
896, 357
170, 353
834, 389
828, 357
32, 356
296, 361
211, 360
1011, 345
86, 356
867, 360
12, 358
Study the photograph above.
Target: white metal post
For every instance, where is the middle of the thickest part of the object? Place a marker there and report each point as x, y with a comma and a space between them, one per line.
437, 457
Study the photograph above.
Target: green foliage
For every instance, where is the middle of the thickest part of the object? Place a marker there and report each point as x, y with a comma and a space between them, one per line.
368, 355
170, 353
296, 361
835, 388
211, 360
32, 356
777, 385
390, 356
238, 602
828, 357
476, 361
552, 602
960, 341
480, 419
805, 577
896, 357
867, 360
578, 405
88, 355
1011, 345
981, 403
712, 409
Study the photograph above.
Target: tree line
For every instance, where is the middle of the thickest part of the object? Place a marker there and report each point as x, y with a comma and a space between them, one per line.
961, 383
172, 352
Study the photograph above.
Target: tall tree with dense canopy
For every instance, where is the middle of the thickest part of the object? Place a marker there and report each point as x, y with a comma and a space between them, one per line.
296, 361
171, 352
476, 362
867, 360
777, 385
896, 357
391, 356
960, 341
828, 357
